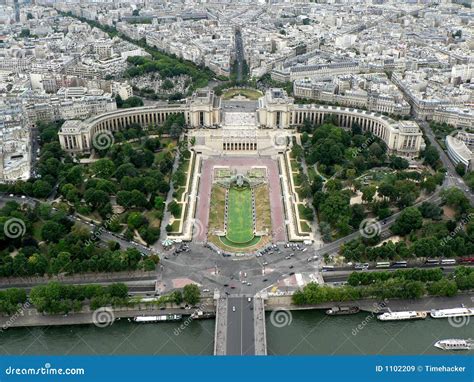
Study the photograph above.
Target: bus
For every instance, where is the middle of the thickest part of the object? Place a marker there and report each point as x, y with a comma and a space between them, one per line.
382, 264
327, 268
467, 260
432, 261
399, 264
448, 261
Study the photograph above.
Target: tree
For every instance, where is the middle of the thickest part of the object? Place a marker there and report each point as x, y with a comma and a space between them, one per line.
159, 202
103, 168
430, 210
25, 33
431, 156
96, 198
410, 219
136, 220
443, 287
191, 294
52, 231
398, 163
368, 193
175, 209
177, 297
388, 190
455, 198
461, 169
117, 290
41, 189
167, 85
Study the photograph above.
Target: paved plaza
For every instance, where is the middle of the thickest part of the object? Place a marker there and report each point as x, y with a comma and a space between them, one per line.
204, 202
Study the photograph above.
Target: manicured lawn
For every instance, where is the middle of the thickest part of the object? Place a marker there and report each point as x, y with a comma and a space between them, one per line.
305, 227
262, 207
175, 226
239, 220
216, 211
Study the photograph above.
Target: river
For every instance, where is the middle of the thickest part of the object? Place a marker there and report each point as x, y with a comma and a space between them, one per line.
303, 332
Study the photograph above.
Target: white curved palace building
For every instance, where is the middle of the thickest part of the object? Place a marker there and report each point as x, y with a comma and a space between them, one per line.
275, 110
459, 149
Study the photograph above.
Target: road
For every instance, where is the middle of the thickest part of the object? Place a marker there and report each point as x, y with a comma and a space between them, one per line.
343, 273
452, 177
240, 327
239, 54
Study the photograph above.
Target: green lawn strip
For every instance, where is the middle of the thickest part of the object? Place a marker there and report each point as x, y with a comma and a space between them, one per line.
239, 219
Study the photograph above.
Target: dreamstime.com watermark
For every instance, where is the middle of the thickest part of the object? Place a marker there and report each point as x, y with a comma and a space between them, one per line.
177, 331
103, 317
14, 228
364, 146
18, 313
44, 370
98, 233
378, 306
370, 227
459, 228
281, 317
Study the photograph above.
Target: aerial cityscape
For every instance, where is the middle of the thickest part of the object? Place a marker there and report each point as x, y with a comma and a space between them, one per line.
217, 177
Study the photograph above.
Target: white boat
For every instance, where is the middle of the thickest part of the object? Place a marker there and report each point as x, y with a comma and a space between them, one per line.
397, 316
160, 318
455, 344
455, 312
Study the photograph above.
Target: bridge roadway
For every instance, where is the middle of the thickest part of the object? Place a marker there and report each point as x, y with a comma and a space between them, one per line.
240, 326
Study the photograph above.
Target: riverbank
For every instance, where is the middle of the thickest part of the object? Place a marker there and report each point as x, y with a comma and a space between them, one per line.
373, 306
30, 317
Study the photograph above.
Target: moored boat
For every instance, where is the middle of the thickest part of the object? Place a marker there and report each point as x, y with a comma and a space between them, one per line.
342, 310
200, 315
160, 318
455, 344
398, 316
455, 312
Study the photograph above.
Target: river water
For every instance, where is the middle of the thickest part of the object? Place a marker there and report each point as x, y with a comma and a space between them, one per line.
301, 332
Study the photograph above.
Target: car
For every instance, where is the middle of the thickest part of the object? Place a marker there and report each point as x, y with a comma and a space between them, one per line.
264, 263
232, 287
11, 195
206, 290
166, 257
292, 273
243, 281
233, 308
249, 299
249, 284
264, 280
23, 196
291, 266
226, 285
287, 257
